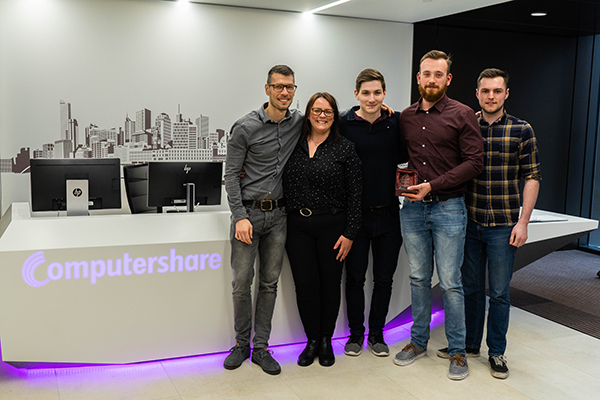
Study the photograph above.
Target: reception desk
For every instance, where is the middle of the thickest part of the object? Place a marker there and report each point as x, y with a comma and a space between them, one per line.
108, 289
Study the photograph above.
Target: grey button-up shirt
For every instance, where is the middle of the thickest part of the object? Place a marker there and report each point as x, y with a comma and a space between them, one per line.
261, 147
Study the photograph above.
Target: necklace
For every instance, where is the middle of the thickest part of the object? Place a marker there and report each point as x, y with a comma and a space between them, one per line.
315, 142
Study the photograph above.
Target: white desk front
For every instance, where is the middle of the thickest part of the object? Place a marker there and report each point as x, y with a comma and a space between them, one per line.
109, 289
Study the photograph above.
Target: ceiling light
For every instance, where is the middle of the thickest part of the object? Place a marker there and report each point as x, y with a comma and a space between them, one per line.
326, 6
538, 14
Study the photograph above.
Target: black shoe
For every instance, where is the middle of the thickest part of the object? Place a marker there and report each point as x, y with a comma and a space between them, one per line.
498, 366
378, 346
310, 352
326, 357
263, 358
354, 345
239, 353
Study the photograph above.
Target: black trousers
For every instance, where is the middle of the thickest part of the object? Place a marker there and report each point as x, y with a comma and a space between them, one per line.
317, 274
380, 232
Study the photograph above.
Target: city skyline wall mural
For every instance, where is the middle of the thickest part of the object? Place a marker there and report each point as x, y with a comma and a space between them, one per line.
137, 140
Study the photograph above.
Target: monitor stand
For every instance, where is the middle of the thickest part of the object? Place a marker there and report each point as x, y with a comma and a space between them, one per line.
190, 196
77, 197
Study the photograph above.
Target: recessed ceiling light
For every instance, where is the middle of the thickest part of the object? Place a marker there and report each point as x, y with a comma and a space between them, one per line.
538, 14
326, 6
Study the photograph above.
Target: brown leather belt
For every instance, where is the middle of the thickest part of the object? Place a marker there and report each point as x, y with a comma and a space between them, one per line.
440, 197
264, 205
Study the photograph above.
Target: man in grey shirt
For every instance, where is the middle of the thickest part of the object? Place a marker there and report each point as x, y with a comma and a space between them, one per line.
260, 143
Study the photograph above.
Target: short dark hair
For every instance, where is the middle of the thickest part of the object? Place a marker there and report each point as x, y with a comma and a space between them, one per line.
493, 73
280, 69
437, 55
368, 75
335, 127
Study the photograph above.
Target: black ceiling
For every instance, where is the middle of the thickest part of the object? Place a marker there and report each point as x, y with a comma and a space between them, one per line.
570, 18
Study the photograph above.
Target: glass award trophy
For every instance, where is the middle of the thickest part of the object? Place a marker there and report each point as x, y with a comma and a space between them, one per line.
404, 179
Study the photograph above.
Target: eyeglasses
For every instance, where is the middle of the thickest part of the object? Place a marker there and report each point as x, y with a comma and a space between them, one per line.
279, 88
318, 111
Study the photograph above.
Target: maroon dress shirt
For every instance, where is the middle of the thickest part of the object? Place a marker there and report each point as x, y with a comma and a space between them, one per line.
444, 144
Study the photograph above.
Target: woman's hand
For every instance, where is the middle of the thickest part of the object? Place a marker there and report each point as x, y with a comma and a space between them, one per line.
344, 244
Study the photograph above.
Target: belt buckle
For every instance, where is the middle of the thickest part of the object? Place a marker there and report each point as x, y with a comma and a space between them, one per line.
428, 198
305, 212
263, 208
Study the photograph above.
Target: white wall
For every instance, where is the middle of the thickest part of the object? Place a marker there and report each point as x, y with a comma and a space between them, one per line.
112, 57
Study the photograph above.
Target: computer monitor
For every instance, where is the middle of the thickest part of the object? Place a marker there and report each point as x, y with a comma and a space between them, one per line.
184, 183
57, 182
136, 186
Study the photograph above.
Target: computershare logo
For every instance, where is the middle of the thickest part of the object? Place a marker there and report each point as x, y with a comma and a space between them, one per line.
95, 269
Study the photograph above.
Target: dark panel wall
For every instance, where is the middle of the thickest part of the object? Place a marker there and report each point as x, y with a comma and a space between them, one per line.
581, 162
542, 70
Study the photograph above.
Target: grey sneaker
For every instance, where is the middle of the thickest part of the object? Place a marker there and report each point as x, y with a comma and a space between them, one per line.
378, 346
471, 353
459, 369
499, 367
409, 354
239, 353
263, 358
354, 345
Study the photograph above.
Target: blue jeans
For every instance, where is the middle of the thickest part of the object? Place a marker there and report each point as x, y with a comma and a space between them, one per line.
380, 231
269, 234
440, 226
488, 245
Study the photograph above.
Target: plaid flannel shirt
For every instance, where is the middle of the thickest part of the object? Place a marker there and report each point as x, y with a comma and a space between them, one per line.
493, 198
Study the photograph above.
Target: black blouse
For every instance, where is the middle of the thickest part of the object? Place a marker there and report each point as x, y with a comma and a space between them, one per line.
332, 178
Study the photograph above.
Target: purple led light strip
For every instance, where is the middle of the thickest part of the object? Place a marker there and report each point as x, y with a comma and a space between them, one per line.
396, 331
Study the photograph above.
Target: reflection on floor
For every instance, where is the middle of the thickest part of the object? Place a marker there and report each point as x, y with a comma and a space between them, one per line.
546, 360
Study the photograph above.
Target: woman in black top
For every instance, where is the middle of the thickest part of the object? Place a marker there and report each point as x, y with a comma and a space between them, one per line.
322, 185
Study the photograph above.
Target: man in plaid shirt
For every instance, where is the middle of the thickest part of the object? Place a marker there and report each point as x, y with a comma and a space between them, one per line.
495, 230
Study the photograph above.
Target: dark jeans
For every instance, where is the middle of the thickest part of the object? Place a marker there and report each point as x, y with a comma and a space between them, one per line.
487, 248
380, 230
317, 274
269, 229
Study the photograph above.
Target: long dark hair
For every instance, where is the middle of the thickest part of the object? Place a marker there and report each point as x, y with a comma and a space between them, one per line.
334, 133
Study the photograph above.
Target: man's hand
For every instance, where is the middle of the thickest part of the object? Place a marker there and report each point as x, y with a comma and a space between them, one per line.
422, 190
518, 236
243, 231
386, 109
344, 245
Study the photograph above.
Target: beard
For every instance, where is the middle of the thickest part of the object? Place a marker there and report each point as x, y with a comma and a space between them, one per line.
432, 97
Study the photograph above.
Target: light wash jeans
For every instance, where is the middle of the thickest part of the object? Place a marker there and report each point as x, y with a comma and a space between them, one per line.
488, 248
269, 234
436, 229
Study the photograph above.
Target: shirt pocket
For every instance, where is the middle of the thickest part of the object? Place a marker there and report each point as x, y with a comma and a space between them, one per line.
505, 151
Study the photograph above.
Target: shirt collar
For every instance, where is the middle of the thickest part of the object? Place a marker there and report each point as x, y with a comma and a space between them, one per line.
500, 120
265, 118
438, 106
353, 116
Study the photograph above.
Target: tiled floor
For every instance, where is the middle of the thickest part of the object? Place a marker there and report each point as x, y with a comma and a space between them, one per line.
547, 361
